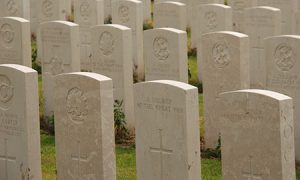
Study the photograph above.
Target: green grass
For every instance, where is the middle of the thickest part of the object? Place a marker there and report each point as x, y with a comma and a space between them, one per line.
126, 169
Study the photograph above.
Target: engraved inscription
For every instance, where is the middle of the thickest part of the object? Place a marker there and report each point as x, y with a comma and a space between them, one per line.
85, 10
221, 55
211, 20
56, 65
124, 13
47, 8
7, 35
160, 48
284, 58
6, 158
12, 7
161, 151
250, 175
106, 43
6, 89
79, 158
77, 109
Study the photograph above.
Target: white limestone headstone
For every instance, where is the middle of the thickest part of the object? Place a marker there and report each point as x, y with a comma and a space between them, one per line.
165, 54
15, 43
50, 10
167, 131
225, 67
257, 136
112, 57
84, 127
15, 8
288, 9
282, 73
130, 13
170, 14
60, 53
87, 13
210, 18
238, 7
20, 155
260, 22
193, 6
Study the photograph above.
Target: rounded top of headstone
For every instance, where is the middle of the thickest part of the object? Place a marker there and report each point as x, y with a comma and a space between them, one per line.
60, 22
95, 76
172, 2
20, 68
271, 94
118, 26
16, 19
168, 29
264, 8
237, 34
177, 84
216, 5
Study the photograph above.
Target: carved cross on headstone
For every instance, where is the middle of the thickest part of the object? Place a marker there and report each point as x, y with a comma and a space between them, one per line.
162, 151
251, 175
78, 158
6, 158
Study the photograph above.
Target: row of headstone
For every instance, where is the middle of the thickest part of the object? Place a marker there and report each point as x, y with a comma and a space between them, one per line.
257, 129
225, 66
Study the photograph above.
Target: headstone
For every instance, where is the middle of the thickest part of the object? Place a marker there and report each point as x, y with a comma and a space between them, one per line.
50, 10
257, 136
211, 18
130, 13
15, 8
282, 68
238, 7
87, 13
167, 133
192, 9
84, 127
166, 55
170, 14
20, 155
288, 9
260, 22
15, 43
112, 57
225, 67
60, 52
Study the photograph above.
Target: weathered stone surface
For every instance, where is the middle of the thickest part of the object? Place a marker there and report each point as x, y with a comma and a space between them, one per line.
282, 72
112, 57
20, 156
15, 43
60, 52
130, 13
50, 10
167, 131
84, 127
87, 13
165, 54
288, 9
257, 135
15, 8
170, 14
225, 67
260, 23
210, 18
238, 7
